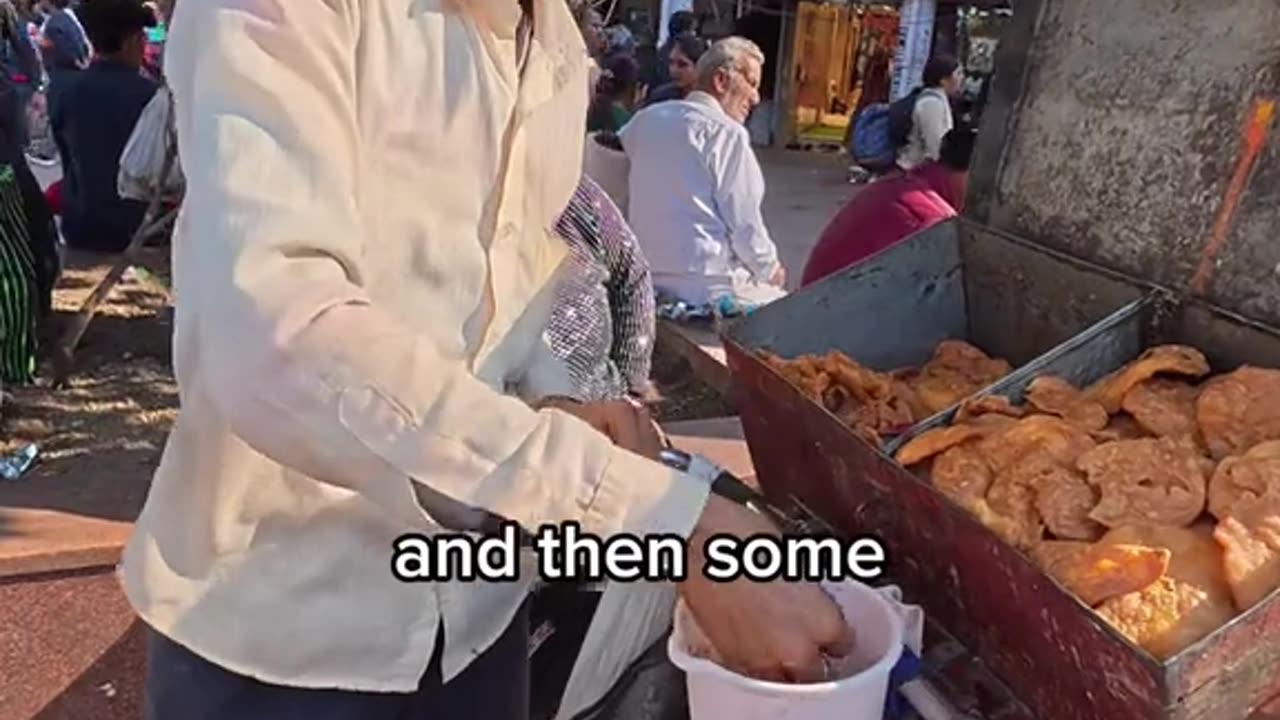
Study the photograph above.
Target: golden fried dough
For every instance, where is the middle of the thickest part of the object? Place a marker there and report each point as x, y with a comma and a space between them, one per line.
1012, 496
1152, 480
1060, 440
1164, 618
1164, 408
1121, 427
1055, 396
1239, 410
1191, 601
986, 405
1047, 553
1096, 573
1245, 478
1173, 359
1250, 540
1063, 498
956, 371
962, 474
938, 440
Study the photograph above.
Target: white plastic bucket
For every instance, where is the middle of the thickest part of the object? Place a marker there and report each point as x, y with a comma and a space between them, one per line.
859, 694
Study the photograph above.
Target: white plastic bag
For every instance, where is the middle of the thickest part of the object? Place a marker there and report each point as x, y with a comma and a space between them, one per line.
142, 161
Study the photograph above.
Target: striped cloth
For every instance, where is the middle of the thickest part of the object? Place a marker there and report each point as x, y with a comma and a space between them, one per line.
17, 286
602, 326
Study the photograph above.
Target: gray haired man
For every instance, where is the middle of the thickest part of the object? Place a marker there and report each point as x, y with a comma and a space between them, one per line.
697, 188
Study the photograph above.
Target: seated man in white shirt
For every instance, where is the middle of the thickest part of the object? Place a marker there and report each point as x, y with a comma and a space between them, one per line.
696, 186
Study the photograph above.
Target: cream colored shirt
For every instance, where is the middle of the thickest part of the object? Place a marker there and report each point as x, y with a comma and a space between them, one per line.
362, 269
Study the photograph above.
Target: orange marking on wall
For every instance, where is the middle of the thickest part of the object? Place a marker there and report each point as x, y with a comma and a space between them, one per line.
1252, 142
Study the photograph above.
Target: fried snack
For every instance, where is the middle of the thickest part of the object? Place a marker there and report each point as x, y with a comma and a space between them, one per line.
1109, 392
870, 403
1063, 498
1012, 496
1164, 618
1245, 478
1250, 540
1055, 396
1121, 427
1164, 408
1097, 573
1060, 440
985, 406
1048, 553
938, 440
1239, 410
1189, 602
1154, 480
956, 371
962, 474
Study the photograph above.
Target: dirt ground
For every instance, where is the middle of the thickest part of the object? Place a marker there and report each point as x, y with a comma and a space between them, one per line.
112, 419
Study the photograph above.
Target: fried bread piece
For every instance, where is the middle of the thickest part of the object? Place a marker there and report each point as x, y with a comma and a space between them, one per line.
1245, 478
1012, 496
1250, 540
1055, 396
1189, 602
1064, 498
956, 371
1121, 427
987, 405
1239, 410
938, 440
1096, 573
1164, 408
1173, 359
1153, 480
1060, 440
962, 474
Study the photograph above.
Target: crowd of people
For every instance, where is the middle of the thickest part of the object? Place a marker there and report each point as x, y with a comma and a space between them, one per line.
84, 71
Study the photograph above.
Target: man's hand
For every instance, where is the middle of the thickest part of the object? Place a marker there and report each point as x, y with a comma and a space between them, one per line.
626, 422
776, 631
779, 277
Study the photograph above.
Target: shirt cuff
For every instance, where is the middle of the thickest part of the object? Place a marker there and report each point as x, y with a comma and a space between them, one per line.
642, 497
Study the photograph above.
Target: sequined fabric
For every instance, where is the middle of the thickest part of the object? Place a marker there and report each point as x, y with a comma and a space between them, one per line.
603, 323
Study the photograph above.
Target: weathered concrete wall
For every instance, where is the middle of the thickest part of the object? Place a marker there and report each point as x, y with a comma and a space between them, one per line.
1118, 133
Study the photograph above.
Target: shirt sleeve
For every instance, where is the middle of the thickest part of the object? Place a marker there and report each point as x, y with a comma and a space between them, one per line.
630, 288
302, 364
933, 117
739, 194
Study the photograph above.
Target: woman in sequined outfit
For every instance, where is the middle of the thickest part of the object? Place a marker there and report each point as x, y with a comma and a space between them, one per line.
602, 326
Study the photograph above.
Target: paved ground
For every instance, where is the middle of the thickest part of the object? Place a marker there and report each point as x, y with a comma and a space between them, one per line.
804, 190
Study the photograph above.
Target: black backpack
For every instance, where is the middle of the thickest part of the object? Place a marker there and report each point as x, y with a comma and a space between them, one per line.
901, 117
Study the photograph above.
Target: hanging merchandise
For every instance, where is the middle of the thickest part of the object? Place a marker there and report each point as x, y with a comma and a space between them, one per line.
915, 40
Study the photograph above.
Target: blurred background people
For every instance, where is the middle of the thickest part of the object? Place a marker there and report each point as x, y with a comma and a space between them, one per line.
931, 116
93, 113
681, 24
893, 208
682, 64
617, 93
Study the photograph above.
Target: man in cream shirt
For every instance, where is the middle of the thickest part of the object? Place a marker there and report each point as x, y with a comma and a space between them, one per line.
363, 266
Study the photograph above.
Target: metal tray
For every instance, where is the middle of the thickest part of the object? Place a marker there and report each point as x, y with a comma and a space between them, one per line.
953, 281
1021, 302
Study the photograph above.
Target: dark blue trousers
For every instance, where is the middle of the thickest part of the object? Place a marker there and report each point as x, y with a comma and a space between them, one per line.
183, 686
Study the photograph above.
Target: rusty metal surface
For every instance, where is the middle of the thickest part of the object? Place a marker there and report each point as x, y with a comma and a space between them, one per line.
956, 280
1136, 134
1053, 651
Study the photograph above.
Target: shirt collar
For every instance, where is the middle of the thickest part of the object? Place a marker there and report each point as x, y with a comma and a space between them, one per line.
699, 97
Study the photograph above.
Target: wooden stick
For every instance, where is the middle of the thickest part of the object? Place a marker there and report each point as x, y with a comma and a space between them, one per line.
155, 218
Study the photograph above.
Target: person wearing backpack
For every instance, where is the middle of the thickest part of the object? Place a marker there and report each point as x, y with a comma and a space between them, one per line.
931, 116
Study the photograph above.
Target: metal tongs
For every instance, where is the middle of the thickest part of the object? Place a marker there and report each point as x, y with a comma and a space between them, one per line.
799, 520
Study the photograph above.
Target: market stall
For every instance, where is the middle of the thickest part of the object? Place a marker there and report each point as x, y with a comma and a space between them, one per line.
1059, 412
